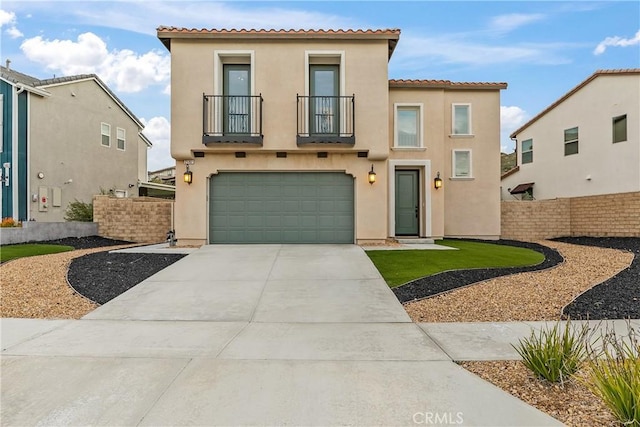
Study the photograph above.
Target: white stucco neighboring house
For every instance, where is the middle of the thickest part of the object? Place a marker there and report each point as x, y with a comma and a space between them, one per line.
586, 143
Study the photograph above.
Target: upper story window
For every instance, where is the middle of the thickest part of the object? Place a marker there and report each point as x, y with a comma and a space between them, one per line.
232, 114
527, 151
408, 126
105, 130
461, 121
461, 164
620, 128
324, 102
237, 100
324, 113
571, 141
120, 138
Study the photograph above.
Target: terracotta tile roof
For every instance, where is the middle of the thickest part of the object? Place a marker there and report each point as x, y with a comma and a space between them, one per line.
444, 84
618, 72
166, 33
243, 31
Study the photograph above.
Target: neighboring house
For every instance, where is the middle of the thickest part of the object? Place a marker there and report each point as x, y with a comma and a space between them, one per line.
586, 143
64, 139
163, 176
280, 134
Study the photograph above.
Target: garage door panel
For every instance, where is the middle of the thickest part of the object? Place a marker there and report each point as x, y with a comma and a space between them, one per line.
270, 207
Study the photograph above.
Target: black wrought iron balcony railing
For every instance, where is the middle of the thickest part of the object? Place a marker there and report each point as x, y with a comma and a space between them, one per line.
232, 119
326, 120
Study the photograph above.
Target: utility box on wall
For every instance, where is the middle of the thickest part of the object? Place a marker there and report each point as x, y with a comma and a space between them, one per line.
43, 199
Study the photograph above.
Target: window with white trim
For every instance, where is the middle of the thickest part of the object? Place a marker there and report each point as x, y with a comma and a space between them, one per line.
105, 130
620, 128
571, 141
461, 164
408, 126
120, 138
461, 119
527, 151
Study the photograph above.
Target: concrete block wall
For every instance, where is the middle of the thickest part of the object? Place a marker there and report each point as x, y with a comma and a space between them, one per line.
138, 219
616, 215
535, 219
608, 215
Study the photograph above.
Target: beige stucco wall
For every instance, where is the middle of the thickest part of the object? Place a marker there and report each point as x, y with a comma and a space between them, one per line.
65, 145
612, 168
472, 206
365, 76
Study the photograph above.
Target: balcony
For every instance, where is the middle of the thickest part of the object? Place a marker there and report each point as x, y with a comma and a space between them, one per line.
325, 120
232, 119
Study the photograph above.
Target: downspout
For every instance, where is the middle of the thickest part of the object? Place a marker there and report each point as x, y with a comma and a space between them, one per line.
15, 201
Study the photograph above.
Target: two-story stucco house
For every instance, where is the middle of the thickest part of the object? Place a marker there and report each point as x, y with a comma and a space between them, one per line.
299, 136
64, 139
586, 143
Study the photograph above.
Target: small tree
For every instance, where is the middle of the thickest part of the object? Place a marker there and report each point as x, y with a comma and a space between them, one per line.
79, 211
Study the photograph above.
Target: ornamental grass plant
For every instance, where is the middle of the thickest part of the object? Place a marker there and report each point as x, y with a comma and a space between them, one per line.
554, 354
614, 374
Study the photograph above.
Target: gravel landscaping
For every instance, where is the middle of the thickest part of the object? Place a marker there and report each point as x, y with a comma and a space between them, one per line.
89, 242
615, 298
572, 404
449, 280
533, 295
103, 276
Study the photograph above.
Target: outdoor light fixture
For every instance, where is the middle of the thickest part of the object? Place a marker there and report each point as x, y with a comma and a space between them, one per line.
188, 175
437, 181
372, 176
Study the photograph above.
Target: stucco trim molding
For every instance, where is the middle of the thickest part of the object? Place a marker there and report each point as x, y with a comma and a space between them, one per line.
425, 194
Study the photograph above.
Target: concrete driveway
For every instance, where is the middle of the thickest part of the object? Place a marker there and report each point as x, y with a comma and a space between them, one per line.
248, 335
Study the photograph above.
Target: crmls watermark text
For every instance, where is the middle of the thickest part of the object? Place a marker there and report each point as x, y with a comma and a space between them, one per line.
438, 418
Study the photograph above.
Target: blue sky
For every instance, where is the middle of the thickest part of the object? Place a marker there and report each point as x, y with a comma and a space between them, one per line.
541, 49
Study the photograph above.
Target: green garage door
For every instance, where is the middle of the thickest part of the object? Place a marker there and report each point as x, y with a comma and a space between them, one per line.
281, 207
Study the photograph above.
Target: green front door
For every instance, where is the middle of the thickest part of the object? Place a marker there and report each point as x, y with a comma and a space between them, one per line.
281, 207
407, 203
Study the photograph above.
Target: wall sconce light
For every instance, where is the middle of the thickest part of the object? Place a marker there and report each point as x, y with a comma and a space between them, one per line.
188, 175
372, 176
437, 181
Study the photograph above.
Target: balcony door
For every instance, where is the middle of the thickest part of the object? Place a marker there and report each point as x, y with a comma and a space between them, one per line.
237, 100
324, 102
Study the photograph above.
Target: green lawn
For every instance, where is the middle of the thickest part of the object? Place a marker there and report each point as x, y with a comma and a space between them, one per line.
399, 267
30, 249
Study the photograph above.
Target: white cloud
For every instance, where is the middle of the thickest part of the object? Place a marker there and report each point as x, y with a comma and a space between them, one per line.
416, 51
144, 16
14, 32
616, 41
9, 18
511, 21
511, 118
127, 70
158, 130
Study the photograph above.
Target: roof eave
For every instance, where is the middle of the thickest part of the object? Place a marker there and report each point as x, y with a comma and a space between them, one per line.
633, 71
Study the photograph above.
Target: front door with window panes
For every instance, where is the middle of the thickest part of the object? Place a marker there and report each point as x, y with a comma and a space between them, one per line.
237, 100
324, 102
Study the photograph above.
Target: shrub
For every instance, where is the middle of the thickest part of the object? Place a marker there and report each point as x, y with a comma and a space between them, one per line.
10, 222
554, 354
614, 375
79, 211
